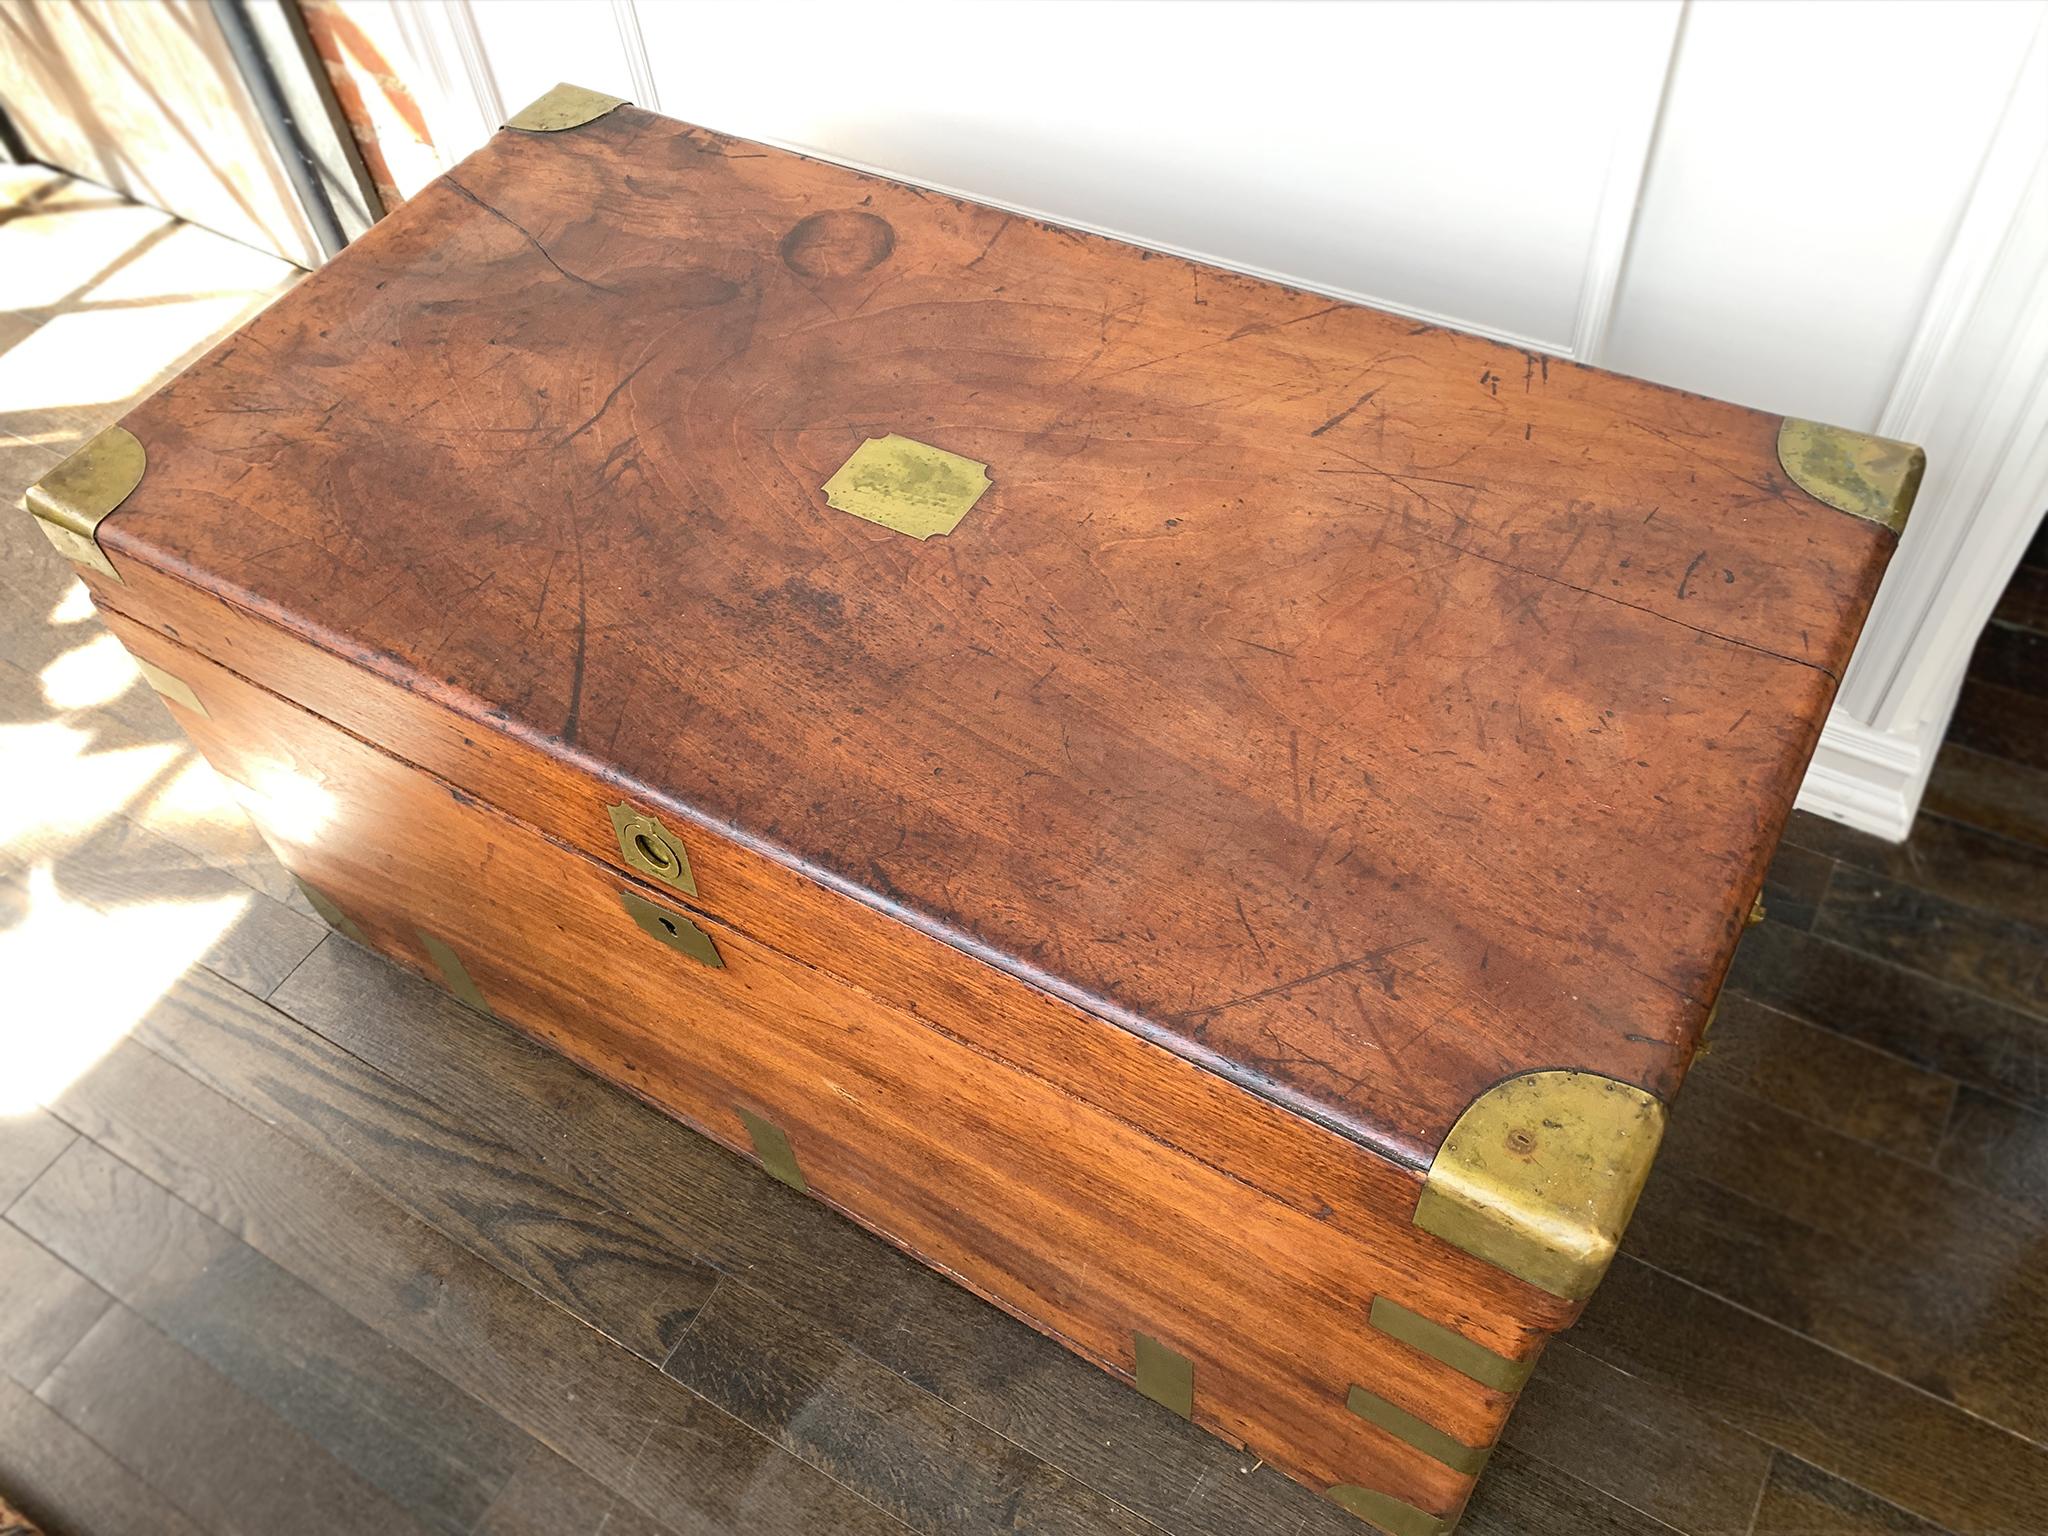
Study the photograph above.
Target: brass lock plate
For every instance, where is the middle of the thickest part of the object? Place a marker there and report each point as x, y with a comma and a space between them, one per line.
649, 847
671, 928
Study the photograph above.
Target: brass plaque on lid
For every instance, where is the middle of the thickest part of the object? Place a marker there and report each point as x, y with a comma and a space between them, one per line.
907, 486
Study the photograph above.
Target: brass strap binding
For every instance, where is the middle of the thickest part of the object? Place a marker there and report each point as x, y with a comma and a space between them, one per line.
1449, 1346
330, 911
171, 687
778, 1158
1388, 1512
454, 973
1165, 1375
1420, 1433
72, 500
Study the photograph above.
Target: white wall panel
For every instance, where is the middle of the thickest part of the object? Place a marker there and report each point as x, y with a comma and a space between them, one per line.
1809, 172
1423, 156
534, 44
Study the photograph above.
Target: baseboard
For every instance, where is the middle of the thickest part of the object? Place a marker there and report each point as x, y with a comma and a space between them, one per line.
1869, 779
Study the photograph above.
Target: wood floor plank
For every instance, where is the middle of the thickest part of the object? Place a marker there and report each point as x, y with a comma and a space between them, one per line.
1984, 952
2012, 656
591, 1401
215, 1452
62, 1478
2000, 1149
1800, 1500
1795, 883
1965, 864
1639, 1442
552, 1497
930, 1466
508, 1198
399, 1427
821, 1267
2024, 603
1885, 1260
29, 1143
1989, 794
2004, 722
1922, 1454
1827, 1077
121, 865
1523, 1495
1942, 1028
46, 1306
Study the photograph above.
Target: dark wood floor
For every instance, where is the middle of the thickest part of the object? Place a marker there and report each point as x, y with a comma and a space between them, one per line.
311, 1248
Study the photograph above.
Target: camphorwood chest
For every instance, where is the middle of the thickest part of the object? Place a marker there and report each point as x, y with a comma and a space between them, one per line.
1215, 816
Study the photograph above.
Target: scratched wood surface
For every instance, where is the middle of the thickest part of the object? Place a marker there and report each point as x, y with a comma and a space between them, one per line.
1065, 1214
1363, 711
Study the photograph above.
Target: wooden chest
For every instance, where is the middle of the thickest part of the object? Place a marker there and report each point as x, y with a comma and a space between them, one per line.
1213, 816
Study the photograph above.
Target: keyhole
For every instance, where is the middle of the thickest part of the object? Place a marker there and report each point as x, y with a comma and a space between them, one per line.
669, 924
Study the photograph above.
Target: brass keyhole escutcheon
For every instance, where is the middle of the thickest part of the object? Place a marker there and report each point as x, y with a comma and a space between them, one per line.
671, 928
649, 847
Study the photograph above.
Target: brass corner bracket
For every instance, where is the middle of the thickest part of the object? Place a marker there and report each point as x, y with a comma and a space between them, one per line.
72, 500
566, 106
1870, 477
1540, 1175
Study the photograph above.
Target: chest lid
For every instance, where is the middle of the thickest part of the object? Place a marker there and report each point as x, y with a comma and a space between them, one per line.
1364, 711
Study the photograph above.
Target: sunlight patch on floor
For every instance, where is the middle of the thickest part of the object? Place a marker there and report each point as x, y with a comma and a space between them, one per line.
78, 980
97, 672
74, 607
53, 787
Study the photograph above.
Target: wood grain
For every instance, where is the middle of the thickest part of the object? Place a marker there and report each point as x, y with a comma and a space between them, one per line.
216, 1453
1361, 711
1942, 1028
50, 1307
613, 1155
1828, 1078
1065, 1215
399, 1427
1883, 1435
532, 1362
62, 1476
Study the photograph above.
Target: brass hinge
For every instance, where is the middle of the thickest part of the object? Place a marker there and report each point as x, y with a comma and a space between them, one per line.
72, 500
